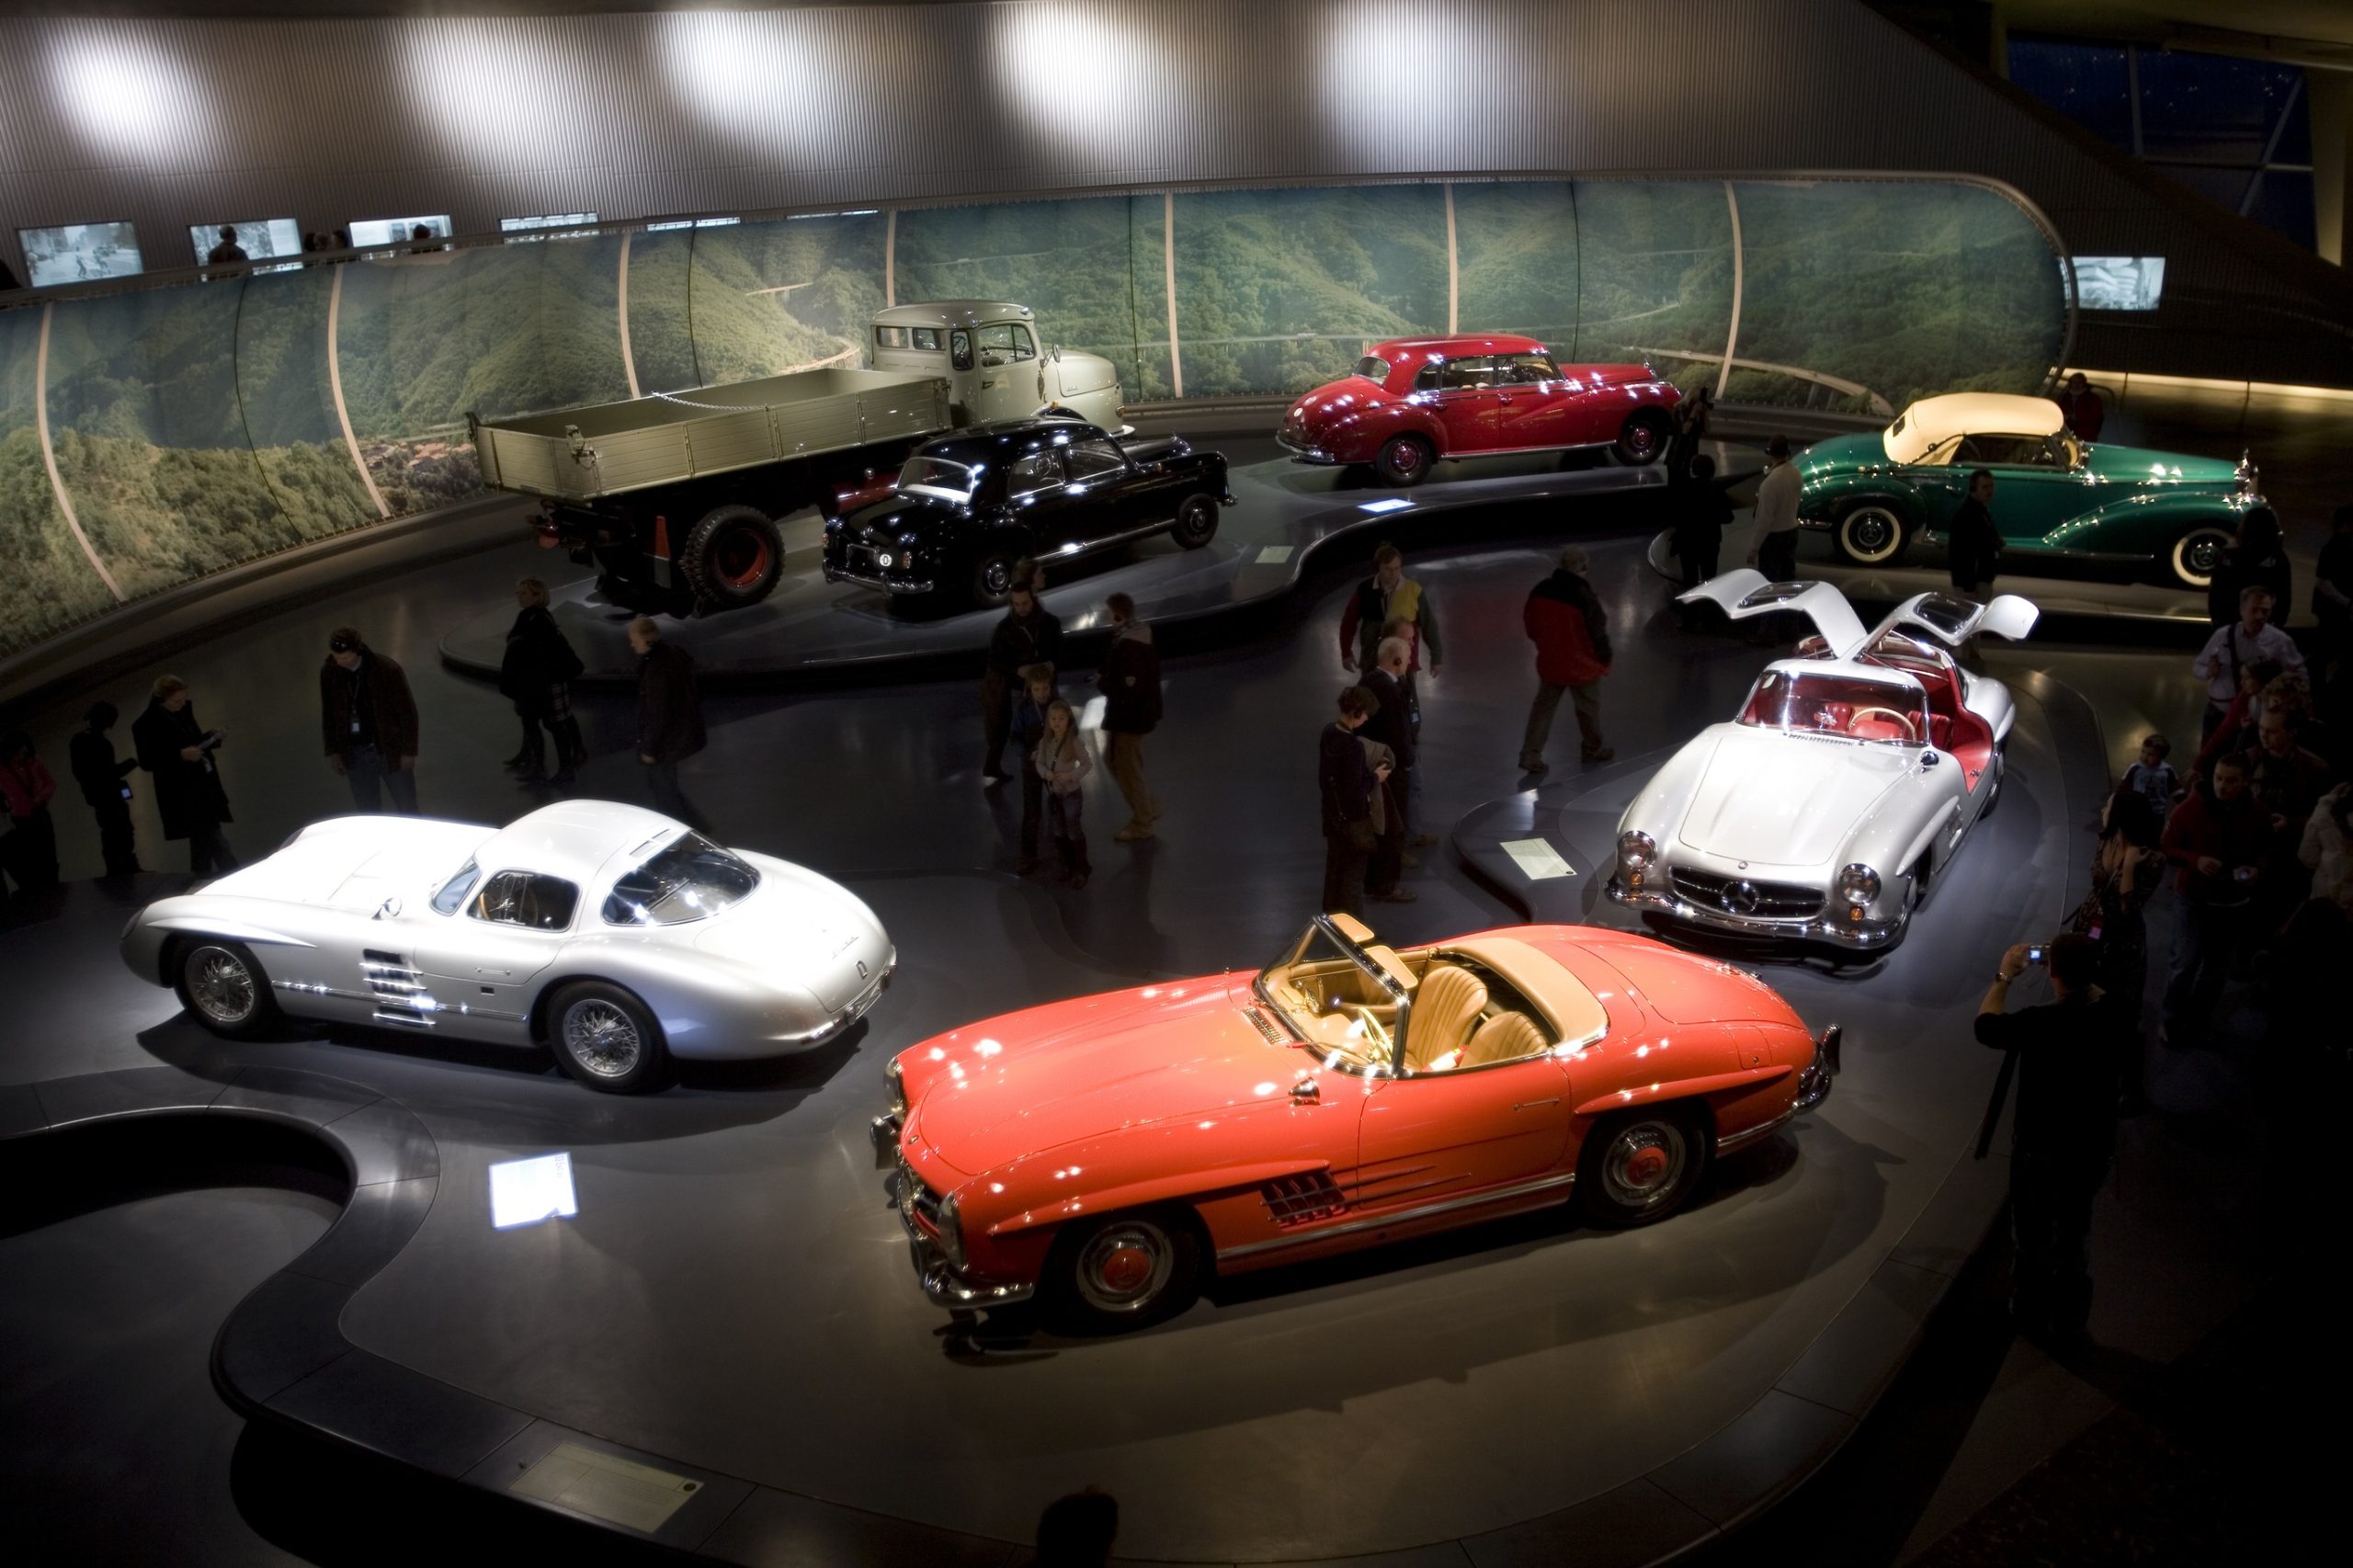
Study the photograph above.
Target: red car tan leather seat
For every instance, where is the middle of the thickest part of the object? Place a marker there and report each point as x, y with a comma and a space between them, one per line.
1446, 1005
1504, 1038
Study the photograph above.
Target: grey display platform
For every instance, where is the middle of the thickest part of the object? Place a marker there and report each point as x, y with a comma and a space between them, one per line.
1283, 511
2063, 589
731, 1305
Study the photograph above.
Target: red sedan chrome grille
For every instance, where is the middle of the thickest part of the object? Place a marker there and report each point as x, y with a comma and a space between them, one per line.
1295, 1200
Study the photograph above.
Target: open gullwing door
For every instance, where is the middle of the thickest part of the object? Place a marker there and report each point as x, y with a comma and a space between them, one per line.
1745, 592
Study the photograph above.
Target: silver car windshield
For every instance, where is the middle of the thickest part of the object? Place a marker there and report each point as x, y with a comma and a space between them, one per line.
1891, 713
939, 478
693, 879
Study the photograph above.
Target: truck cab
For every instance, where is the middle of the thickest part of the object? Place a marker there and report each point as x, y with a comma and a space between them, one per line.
990, 354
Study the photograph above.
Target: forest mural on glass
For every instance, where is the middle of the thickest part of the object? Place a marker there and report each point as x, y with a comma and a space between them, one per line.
195, 427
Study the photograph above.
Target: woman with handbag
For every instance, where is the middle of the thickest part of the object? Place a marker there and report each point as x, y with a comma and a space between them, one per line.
536, 673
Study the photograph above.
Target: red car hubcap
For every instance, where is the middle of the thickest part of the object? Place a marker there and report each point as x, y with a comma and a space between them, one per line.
1647, 1168
1126, 1270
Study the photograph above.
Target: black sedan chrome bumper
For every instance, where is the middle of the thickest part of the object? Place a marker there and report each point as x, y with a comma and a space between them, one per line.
876, 580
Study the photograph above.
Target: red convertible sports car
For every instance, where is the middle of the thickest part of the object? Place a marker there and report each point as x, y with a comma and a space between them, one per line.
1108, 1152
1413, 401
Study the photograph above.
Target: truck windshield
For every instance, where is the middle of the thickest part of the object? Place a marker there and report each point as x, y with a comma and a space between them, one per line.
939, 479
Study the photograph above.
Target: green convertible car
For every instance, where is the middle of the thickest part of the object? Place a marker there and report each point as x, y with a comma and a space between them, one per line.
2052, 493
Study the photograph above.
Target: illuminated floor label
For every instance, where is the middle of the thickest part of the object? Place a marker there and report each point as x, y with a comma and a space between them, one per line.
1274, 555
615, 1490
1537, 859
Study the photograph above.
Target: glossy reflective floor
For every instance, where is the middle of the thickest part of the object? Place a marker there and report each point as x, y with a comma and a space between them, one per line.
733, 1292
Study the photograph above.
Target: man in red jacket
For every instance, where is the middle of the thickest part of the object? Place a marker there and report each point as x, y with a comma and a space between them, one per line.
1571, 636
2216, 839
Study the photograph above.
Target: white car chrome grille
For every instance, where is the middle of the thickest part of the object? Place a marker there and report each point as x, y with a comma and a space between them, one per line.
1737, 896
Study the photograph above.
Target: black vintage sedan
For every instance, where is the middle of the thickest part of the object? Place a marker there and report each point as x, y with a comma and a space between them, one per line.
970, 505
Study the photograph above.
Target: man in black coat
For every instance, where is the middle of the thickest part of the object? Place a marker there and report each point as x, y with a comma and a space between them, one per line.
2071, 1052
669, 716
1029, 634
1345, 781
101, 776
1130, 681
1701, 511
1973, 544
178, 752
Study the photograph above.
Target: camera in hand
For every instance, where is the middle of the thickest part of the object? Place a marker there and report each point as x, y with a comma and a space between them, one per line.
2038, 955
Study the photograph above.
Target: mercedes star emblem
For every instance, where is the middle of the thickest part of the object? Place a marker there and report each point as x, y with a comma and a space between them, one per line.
1741, 898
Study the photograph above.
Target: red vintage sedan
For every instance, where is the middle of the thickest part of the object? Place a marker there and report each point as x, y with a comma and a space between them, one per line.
1414, 401
1109, 1152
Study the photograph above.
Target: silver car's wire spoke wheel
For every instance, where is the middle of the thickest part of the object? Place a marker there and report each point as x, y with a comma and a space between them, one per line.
1645, 1162
1124, 1267
220, 985
602, 1038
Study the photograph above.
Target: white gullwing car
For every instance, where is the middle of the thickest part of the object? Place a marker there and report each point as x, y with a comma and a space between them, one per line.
1826, 809
610, 934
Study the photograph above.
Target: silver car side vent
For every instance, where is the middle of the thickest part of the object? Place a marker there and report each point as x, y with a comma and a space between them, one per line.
399, 989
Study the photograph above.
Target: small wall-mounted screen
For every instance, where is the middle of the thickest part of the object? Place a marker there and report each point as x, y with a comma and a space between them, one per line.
2120, 282
367, 232
259, 238
521, 228
78, 253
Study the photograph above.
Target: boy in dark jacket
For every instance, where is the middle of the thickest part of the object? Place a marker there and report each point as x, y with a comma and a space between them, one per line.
1130, 681
1571, 632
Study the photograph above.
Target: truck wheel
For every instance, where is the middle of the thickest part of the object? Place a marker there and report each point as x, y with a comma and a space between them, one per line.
1641, 439
1871, 534
1403, 461
732, 558
1196, 522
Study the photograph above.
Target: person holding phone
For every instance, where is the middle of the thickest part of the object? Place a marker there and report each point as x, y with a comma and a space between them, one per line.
1346, 779
2069, 1052
180, 752
106, 787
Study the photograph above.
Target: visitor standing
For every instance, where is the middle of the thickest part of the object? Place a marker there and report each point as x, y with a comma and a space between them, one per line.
29, 852
2216, 840
1345, 782
2127, 866
536, 673
1029, 634
1389, 725
1701, 512
104, 779
178, 753
1690, 429
2256, 558
2062, 1135
1130, 681
1388, 595
1973, 544
2082, 409
1564, 618
1773, 539
669, 716
369, 720
1063, 763
228, 250
1030, 707
2249, 638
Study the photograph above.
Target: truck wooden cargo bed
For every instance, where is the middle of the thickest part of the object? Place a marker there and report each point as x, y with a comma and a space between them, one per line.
579, 454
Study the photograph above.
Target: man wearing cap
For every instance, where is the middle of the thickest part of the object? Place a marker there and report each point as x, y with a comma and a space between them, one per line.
369, 720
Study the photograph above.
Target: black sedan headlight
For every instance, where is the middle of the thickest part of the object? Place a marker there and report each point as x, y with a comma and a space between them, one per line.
1857, 885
